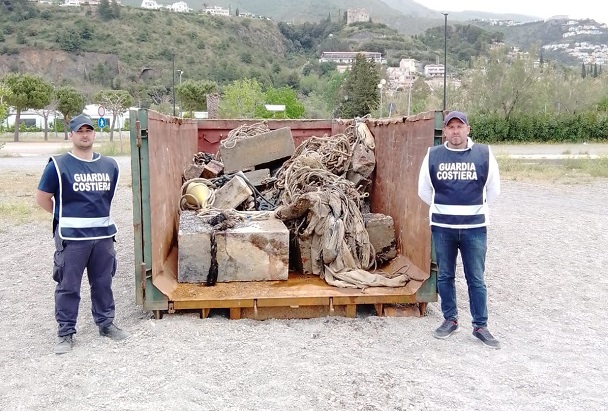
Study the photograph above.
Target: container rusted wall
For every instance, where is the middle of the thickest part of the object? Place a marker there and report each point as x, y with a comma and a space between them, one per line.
211, 132
401, 144
166, 152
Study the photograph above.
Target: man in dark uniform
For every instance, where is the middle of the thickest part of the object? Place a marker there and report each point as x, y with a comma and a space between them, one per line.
78, 188
457, 180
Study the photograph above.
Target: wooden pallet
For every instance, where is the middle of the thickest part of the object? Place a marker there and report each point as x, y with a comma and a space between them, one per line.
301, 296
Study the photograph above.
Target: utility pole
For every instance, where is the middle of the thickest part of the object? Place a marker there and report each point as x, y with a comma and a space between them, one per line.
445, 58
380, 87
173, 59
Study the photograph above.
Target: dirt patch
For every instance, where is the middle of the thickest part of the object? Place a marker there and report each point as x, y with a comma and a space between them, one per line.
546, 276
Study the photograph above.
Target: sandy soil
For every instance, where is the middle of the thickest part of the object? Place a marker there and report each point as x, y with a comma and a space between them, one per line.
547, 284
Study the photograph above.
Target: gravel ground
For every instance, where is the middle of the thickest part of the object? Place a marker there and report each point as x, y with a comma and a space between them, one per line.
546, 275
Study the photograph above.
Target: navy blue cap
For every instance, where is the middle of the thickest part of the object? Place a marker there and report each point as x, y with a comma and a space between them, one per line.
456, 114
79, 121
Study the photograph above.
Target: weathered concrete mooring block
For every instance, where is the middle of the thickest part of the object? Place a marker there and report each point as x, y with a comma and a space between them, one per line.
260, 149
212, 169
232, 194
256, 177
381, 231
255, 250
193, 171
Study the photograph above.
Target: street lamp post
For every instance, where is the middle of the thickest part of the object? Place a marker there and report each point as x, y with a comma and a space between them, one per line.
180, 83
380, 86
409, 98
445, 58
173, 61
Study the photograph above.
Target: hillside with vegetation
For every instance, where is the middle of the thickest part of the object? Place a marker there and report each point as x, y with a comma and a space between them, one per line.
159, 59
134, 48
146, 52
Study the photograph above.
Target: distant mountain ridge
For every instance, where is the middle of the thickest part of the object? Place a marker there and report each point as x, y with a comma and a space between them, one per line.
407, 16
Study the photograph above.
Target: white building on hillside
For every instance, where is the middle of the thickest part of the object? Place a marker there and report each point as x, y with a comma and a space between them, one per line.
216, 11
434, 70
71, 3
403, 76
150, 4
179, 7
344, 59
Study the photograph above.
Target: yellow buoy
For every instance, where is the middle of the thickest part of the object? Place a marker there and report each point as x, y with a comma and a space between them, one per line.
197, 192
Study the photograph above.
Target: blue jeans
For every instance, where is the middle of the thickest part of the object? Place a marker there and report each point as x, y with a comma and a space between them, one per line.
472, 243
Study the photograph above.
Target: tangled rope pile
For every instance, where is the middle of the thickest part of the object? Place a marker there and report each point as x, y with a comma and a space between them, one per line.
315, 191
243, 132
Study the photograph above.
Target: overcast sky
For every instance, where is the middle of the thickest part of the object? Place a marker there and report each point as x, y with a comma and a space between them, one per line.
597, 10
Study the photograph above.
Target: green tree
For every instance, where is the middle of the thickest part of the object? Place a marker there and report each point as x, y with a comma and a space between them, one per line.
583, 71
281, 96
333, 93
241, 99
104, 10
27, 91
4, 91
499, 85
192, 94
360, 91
69, 40
116, 102
70, 103
115, 9
46, 112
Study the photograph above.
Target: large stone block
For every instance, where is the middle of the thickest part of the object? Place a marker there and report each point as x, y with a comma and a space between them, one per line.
256, 177
254, 250
259, 149
381, 231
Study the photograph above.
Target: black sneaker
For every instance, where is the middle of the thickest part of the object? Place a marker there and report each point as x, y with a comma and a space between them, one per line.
447, 328
486, 337
64, 344
113, 332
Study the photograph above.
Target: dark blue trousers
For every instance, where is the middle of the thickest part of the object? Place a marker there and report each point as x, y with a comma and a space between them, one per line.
71, 259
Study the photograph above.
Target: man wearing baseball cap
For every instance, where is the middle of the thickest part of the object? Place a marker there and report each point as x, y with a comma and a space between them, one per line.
77, 188
457, 180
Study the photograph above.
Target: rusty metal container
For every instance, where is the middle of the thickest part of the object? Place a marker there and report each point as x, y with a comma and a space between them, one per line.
163, 146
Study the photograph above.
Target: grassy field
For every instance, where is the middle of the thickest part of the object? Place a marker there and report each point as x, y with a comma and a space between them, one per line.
17, 204
567, 170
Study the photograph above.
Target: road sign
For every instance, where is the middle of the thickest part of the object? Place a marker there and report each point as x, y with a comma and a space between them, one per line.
101, 122
101, 111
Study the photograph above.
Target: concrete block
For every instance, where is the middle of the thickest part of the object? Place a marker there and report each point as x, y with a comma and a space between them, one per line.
381, 231
212, 169
259, 149
256, 177
193, 171
255, 250
305, 263
232, 194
